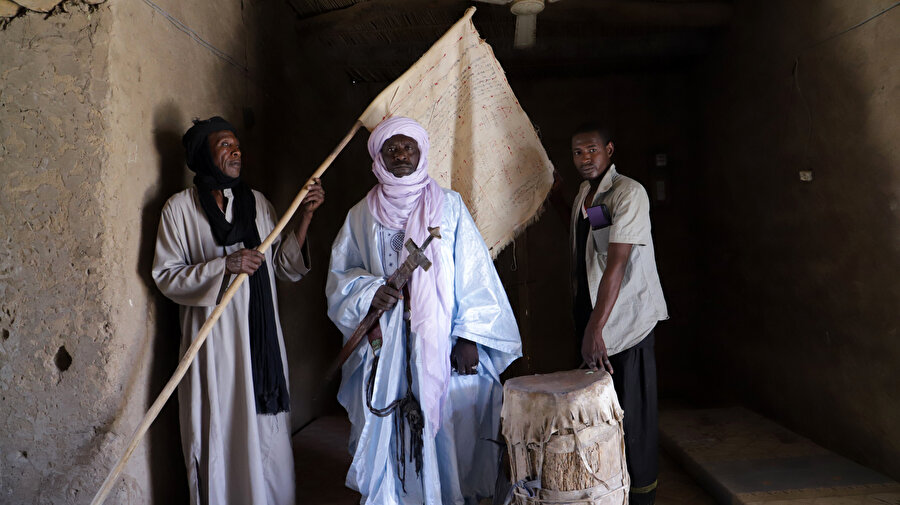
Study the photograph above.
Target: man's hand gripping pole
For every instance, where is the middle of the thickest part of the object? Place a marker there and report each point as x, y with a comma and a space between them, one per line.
198, 341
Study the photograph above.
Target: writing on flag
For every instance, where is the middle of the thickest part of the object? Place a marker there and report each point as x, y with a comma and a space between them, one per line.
483, 145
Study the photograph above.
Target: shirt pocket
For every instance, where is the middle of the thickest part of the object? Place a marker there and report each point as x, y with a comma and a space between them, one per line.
601, 240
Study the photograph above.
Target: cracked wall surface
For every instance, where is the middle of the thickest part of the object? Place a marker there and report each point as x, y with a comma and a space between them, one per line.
93, 103
10, 8
58, 343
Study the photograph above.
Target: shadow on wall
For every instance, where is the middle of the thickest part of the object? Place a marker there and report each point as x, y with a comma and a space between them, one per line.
807, 336
167, 473
300, 120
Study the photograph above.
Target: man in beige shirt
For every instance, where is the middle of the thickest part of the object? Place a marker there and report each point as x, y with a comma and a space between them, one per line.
617, 295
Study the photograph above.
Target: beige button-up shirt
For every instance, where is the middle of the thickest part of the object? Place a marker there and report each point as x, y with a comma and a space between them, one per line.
640, 304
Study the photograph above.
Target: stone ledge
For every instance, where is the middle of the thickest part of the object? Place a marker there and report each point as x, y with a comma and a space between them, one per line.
743, 458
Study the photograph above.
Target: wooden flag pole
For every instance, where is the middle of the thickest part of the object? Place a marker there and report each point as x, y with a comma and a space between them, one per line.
191, 352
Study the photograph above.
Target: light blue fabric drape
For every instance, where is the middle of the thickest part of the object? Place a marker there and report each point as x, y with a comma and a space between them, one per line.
460, 462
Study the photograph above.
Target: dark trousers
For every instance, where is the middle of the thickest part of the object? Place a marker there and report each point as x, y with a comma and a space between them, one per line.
634, 378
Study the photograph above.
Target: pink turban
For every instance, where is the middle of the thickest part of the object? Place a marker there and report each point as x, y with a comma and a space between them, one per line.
413, 203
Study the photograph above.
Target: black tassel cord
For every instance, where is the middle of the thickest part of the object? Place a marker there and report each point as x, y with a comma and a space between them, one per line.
409, 413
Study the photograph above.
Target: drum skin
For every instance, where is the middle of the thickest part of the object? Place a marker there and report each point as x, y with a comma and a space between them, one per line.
565, 440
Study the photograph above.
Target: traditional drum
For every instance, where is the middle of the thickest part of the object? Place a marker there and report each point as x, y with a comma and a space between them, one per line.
565, 439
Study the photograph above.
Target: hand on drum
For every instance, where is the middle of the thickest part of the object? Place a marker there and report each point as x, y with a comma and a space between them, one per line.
464, 357
593, 348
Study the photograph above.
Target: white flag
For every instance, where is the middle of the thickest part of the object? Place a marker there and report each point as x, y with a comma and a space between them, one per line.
483, 145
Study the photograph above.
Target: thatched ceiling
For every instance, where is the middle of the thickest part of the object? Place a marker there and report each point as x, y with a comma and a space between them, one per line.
376, 40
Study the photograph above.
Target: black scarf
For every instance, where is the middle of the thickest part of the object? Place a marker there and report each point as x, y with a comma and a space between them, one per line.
269, 387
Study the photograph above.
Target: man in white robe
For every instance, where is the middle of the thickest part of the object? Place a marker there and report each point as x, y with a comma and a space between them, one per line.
459, 317
233, 402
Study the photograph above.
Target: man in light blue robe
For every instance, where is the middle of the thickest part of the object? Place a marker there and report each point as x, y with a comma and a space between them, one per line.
467, 311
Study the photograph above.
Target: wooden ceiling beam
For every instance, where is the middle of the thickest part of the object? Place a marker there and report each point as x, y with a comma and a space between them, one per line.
364, 12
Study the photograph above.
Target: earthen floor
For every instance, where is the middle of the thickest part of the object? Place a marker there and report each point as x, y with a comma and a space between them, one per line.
321, 459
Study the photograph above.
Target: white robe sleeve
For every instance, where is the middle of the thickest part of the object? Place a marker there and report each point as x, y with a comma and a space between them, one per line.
482, 313
195, 285
350, 287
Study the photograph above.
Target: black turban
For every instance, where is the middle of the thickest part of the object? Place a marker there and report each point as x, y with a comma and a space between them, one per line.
269, 387
197, 152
